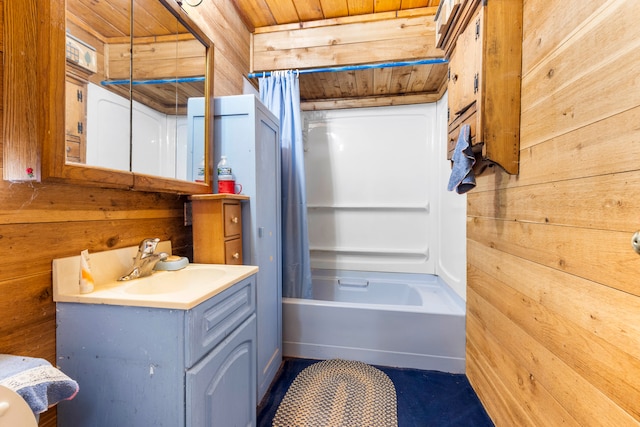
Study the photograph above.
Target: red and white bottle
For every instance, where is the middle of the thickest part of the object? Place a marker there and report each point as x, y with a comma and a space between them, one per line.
226, 181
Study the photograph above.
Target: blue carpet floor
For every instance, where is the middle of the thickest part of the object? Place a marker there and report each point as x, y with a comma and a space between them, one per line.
424, 398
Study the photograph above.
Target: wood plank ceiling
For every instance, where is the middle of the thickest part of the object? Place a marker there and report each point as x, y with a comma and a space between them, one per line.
265, 13
344, 89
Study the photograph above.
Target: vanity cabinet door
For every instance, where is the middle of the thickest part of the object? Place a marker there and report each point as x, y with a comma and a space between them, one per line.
221, 388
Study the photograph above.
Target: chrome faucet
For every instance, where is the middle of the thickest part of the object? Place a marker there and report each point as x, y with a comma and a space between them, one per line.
145, 260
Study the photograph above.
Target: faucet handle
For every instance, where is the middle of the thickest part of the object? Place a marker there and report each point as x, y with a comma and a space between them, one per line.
148, 246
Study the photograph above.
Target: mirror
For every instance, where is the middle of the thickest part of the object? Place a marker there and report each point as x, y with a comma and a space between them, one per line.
137, 90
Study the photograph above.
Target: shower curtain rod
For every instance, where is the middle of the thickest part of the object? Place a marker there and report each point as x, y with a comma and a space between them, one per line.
356, 67
152, 81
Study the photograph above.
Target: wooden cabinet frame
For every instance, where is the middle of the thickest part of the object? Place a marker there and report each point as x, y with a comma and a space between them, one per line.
34, 143
485, 67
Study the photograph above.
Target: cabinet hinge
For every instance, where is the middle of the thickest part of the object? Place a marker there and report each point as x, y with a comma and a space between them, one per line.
80, 128
79, 95
448, 114
477, 28
476, 77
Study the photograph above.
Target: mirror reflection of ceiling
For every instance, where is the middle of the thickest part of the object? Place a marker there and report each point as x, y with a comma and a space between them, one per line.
110, 19
156, 32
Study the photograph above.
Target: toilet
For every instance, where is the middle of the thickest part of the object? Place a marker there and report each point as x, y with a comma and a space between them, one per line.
14, 410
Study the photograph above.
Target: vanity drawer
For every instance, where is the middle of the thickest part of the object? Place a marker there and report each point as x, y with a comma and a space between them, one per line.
233, 251
211, 322
232, 219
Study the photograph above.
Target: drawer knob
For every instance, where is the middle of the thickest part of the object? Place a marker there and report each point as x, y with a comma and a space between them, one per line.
234, 220
236, 256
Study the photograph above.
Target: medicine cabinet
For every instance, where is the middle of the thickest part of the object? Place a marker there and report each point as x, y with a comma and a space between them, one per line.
100, 77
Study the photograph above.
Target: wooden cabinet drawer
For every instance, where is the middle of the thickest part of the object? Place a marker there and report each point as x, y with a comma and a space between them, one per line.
73, 149
233, 251
212, 321
232, 219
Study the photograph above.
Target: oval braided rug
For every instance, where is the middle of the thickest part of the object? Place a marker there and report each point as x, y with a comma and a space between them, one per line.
339, 393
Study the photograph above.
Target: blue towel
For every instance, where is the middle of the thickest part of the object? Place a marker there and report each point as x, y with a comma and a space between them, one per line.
462, 178
39, 383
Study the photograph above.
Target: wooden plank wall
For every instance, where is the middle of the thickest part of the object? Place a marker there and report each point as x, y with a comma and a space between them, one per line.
221, 22
553, 319
40, 222
382, 37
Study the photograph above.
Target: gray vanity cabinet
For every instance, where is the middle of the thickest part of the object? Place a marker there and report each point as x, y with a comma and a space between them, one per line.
140, 366
249, 135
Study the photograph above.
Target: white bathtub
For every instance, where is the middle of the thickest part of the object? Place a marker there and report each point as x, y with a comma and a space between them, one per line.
389, 319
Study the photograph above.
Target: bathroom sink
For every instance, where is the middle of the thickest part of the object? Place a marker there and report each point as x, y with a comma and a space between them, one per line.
163, 282
181, 289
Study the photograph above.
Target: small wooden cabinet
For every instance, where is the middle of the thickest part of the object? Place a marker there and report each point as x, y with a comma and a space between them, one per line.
217, 228
483, 41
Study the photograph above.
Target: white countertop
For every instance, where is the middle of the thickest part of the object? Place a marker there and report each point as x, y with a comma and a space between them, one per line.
182, 289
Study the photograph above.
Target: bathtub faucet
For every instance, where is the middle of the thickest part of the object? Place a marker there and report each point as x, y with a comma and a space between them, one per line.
145, 260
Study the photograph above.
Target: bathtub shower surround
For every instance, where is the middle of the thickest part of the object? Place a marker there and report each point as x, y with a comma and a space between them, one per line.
376, 192
369, 189
386, 241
